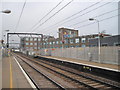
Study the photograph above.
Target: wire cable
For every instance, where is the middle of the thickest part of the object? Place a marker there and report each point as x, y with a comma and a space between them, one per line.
99, 21
53, 15
87, 12
75, 14
20, 16
94, 17
80, 15
47, 14
80, 11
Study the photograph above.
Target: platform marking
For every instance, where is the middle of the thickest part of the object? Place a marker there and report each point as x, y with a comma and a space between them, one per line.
28, 79
11, 79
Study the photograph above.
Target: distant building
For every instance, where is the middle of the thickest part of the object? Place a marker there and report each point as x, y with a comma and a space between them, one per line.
106, 41
67, 33
78, 41
36, 43
30, 43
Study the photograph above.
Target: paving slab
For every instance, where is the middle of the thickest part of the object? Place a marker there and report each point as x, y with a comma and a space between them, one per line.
12, 76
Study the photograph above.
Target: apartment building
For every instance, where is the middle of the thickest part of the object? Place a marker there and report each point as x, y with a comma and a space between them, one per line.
36, 43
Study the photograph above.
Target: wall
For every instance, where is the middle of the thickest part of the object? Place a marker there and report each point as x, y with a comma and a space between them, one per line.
108, 54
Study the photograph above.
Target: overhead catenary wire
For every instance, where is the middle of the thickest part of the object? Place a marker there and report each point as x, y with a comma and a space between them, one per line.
80, 15
47, 14
96, 22
94, 17
80, 11
53, 15
99, 21
20, 16
63, 21
75, 14
88, 12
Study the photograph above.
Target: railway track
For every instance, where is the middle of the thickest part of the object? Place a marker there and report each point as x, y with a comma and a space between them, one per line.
70, 78
40, 79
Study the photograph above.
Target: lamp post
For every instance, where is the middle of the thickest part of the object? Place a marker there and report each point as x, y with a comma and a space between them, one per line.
6, 36
6, 11
92, 19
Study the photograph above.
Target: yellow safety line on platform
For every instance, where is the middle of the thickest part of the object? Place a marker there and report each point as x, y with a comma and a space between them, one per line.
11, 79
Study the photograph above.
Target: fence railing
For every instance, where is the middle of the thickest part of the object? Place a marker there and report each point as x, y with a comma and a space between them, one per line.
108, 55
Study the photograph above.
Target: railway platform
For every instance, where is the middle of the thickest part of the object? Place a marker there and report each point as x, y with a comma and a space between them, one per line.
109, 71
12, 74
111, 67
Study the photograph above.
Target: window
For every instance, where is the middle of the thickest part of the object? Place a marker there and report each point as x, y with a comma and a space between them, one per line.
66, 46
38, 47
77, 46
83, 40
60, 42
97, 37
27, 39
40, 43
39, 39
50, 43
57, 42
53, 42
35, 47
31, 39
31, 43
94, 45
35, 39
83, 45
71, 41
26, 47
31, 47
77, 40
27, 43
44, 43
35, 43
66, 41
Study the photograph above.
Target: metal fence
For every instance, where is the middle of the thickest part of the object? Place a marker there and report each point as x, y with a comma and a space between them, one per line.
108, 55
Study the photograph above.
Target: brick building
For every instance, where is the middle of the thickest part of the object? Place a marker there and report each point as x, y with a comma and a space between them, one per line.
36, 43
67, 33
30, 43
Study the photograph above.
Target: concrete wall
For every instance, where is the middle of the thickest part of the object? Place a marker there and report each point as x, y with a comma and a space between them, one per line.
108, 54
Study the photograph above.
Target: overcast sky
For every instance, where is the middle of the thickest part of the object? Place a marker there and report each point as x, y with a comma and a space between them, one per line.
34, 10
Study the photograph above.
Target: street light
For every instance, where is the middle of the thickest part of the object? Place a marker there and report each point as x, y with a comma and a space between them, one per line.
6, 11
5, 34
92, 19
7, 30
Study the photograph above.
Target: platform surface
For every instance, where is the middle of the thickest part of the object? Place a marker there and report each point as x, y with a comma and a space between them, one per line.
91, 63
12, 76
